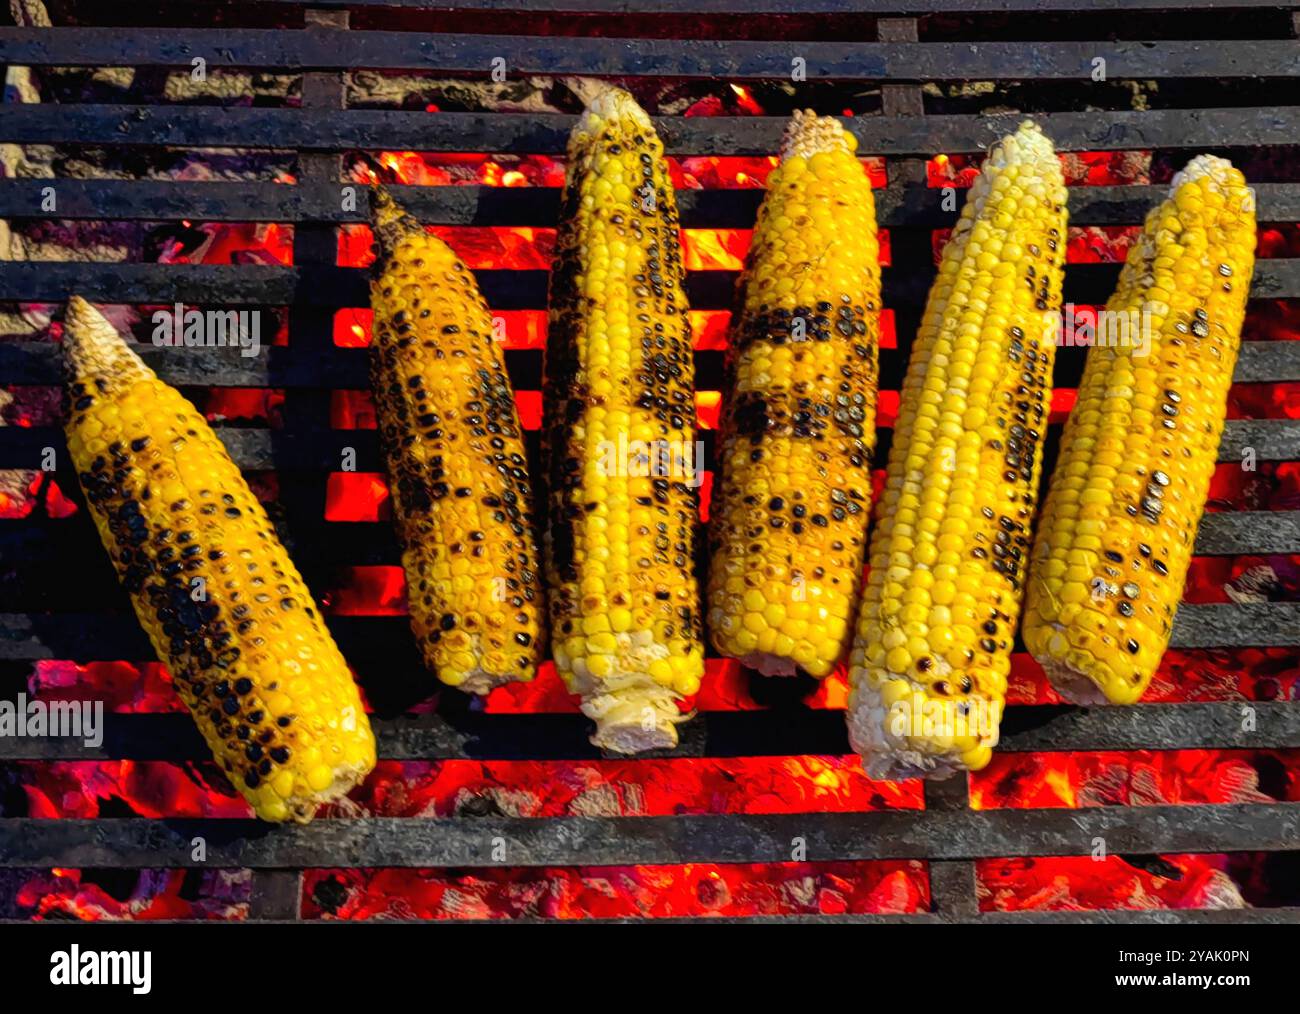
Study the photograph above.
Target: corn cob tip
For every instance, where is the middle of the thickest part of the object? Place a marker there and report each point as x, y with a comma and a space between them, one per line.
383, 207
1030, 130
1201, 166
390, 223
1077, 687
1026, 142
93, 350
1223, 176
79, 307
807, 134
609, 102
888, 752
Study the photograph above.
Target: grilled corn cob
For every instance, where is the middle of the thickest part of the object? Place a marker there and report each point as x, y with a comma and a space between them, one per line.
789, 520
1116, 537
619, 403
937, 622
456, 462
218, 596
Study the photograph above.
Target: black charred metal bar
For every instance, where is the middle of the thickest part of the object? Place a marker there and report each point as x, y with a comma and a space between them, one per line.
317, 285
36, 363
596, 841
459, 733
307, 49
546, 134
535, 207
37, 553
74, 635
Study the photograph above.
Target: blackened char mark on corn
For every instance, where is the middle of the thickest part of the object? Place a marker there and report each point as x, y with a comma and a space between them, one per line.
562, 408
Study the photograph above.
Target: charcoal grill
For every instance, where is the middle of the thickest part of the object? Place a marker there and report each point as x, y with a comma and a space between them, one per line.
80, 615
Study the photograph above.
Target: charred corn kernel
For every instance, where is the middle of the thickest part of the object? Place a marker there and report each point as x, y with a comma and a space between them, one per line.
954, 520
454, 450
801, 413
620, 437
215, 591
1139, 449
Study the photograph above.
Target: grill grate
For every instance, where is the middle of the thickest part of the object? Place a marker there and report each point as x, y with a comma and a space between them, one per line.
947, 832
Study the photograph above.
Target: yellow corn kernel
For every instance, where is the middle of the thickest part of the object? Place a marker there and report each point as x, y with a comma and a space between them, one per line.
454, 451
222, 603
619, 404
948, 554
800, 425
1100, 606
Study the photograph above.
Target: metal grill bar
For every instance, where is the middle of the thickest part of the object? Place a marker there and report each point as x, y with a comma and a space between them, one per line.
536, 207
459, 733
73, 635
276, 895
40, 555
316, 285
952, 881
1231, 533
547, 134
37, 363
288, 49
591, 841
